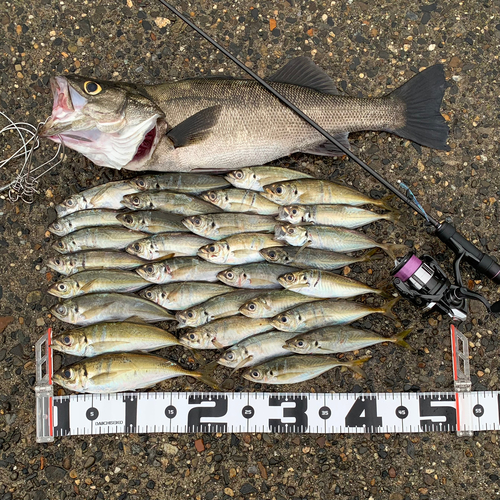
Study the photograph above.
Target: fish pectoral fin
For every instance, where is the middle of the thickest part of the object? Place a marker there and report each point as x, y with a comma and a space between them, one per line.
241, 364
328, 148
302, 71
195, 128
217, 344
88, 286
136, 319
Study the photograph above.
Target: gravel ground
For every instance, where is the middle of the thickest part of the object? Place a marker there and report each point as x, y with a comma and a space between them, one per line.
369, 49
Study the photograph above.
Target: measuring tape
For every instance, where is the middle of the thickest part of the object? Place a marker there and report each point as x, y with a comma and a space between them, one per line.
462, 411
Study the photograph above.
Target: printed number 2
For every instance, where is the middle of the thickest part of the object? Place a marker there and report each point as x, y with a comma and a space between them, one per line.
196, 414
363, 413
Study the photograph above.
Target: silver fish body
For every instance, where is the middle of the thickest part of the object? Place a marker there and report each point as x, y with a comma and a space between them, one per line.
152, 221
260, 275
255, 178
163, 244
179, 182
105, 280
97, 238
239, 200
180, 269
103, 338
97, 307
180, 296
84, 218
221, 306
93, 259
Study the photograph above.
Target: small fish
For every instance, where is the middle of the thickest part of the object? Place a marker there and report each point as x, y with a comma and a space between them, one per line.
312, 258
332, 215
255, 178
84, 218
221, 306
93, 259
337, 339
258, 275
294, 369
102, 338
105, 280
163, 244
327, 313
98, 307
256, 349
238, 249
107, 195
220, 226
180, 296
239, 200
224, 332
317, 191
152, 221
179, 182
324, 284
167, 201
269, 304
180, 269
333, 239
123, 372
97, 238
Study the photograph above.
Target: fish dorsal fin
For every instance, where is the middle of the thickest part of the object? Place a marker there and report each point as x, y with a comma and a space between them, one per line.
302, 71
194, 128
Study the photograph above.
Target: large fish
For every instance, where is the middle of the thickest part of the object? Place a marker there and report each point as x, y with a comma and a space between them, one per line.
225, 124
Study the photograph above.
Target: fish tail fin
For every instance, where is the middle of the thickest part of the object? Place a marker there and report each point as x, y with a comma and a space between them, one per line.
386, 309
373, 254
394, 215
422, 97
205, 375
393, 249
384, 202
399, 339
356, 364
385, 288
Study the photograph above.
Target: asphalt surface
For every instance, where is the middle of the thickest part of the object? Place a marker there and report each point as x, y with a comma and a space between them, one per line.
368, 49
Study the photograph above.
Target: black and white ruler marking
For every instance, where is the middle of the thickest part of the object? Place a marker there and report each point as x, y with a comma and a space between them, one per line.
181, 412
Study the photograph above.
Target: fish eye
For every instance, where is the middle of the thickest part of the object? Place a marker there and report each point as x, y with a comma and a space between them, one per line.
137, 246
67, 373
230, 356
69, 202
197, 221
255, 374
211, 248
294, 211
60, 244
92, 88
238, 174
67, 340
289, 277
229, 275
192, 336
149, 269
136, 200
190, 314
291, 230
61, 309
129, 219
56, 226
61, 287
57, 262
252, 306
149, 295
300, 343
141, 183
279, 190
283, 319
212, 195
272, 254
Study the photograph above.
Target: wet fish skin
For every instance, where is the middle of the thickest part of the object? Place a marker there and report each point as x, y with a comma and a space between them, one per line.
332, 215
152, 221
224, 332
242, 201
179, 182
122, 372
323, 313
97, 217
97, 238
103, 338
215, 308
162, 244
110, 307
255, 178
257, 275
180, 269
168, 201
338, 339
97, 282
269, 304
295, 369
311, 258
223, 225
180, 296
256, 349
93, 259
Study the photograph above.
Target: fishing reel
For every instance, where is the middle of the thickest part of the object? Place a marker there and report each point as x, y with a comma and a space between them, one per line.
424, 283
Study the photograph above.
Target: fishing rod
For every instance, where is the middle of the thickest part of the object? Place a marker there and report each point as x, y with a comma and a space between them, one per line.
420, 280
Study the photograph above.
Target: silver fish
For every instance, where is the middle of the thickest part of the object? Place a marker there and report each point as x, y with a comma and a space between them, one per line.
105, 280
179, 182
163, 244
152, 221
97, 238
255, 178
122, 372
226, 124
221, 306
180, 296
295, 369
93, 259
258, 275
84, 218
239, 200
220, 226
112, 337
180, 269
98, 307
